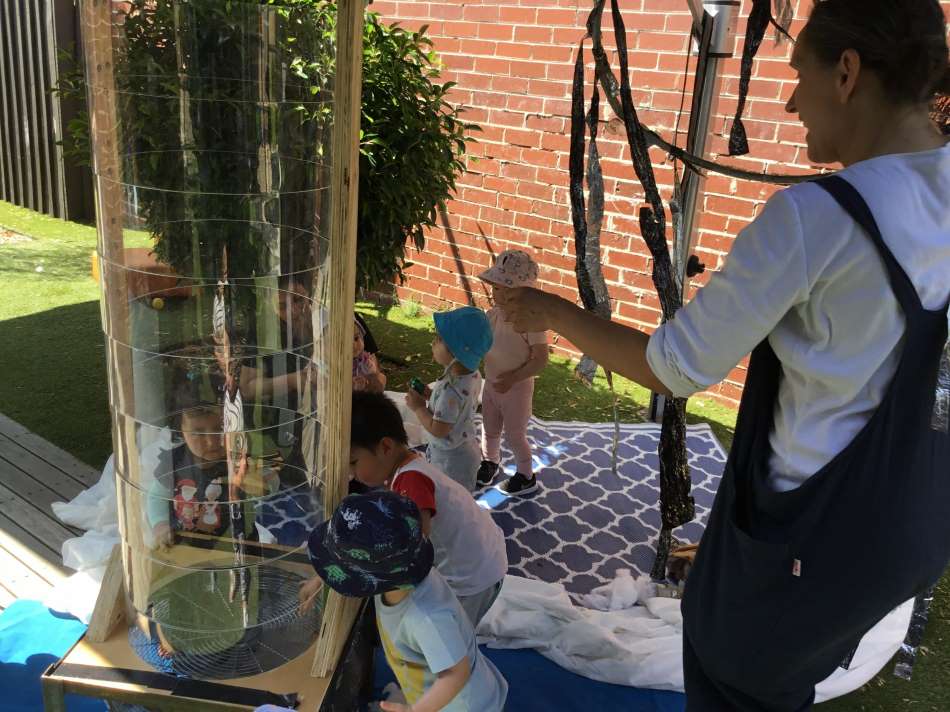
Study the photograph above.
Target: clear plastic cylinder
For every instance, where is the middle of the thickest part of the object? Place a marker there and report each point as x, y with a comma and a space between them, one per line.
210, 126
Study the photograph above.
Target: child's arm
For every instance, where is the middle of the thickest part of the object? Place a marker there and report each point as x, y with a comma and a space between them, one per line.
376, 379
417, 405
157, 510
537, 361
449, 683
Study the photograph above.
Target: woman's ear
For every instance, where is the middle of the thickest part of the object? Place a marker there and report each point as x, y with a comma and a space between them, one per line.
848, 72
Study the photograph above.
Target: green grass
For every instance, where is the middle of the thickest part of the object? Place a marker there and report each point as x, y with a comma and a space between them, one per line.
51, 341
54, 382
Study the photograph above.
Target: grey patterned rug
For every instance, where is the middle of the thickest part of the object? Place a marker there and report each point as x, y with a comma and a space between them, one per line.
585, 522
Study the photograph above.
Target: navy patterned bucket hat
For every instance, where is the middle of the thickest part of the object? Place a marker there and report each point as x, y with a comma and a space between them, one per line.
373, 543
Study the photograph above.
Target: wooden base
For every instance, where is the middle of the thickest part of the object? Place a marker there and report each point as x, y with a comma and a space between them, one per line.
112, 671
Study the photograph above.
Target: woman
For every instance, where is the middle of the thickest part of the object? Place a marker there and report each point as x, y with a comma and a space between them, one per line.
842, 433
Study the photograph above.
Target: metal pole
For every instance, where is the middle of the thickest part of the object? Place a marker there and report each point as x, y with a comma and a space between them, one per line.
714, 36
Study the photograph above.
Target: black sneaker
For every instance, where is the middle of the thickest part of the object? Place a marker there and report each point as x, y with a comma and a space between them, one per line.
518, 485
486, 473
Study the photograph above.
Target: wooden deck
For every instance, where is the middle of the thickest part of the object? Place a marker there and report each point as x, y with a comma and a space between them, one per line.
34, 474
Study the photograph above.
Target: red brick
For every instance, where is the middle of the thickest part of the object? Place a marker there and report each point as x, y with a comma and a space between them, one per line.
496, 215
489, 100
515, 50
529, 70
552, 53
514, 203
442, 10
509, 118
660, 41
519, 171
499, 185
532, 222
539, 191
460, 29
533, 35
545, 123
481, 197
568, 35
510, 85
493, 65
487, 12
496, 31
539, 158
519, 137
559, 17
562, 72
520, 16
530, 104
459, 62
478, 47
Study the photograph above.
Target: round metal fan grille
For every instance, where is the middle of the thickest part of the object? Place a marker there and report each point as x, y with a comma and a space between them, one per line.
282, 635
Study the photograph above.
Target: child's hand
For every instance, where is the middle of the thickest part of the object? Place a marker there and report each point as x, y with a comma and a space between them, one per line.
162, 536
505, 382
414, 401
360, 383
394, 707
307, 595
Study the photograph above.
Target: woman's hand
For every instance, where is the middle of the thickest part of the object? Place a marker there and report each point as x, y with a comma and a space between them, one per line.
529, 309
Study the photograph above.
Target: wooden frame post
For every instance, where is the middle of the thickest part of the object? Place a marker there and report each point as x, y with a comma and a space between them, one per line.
339, 612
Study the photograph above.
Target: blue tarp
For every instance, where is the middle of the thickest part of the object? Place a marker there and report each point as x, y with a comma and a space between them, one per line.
535, 684
31, 639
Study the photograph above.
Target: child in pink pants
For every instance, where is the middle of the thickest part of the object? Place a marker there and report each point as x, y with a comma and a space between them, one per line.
510, 367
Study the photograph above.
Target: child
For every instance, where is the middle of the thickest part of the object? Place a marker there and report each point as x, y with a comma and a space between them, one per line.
373, 545
469, 547
192, 490
463, 337
366, 373
510, 367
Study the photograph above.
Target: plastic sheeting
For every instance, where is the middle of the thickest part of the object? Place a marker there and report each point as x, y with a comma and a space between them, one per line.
641, 646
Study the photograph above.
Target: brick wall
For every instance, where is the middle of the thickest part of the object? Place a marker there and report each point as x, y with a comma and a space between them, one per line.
513, 63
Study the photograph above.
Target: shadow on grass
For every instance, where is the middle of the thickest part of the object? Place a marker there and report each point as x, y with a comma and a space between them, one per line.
54, 379
404, 342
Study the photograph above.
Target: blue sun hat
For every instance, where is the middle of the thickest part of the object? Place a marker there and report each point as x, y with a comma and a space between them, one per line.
373, 543
466, 333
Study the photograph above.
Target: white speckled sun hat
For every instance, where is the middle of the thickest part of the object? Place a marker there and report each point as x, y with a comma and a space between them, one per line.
512, 268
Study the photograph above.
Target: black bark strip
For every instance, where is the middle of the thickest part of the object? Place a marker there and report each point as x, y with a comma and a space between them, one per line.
676, 504
576, 173
612, 90
759, 19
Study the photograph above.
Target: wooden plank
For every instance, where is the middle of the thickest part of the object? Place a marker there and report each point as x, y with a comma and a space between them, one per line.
23, 514
6, 597
38, 496
20, 580
38, 469
110, 605
339, 613
48, 551
47, 566
81, 472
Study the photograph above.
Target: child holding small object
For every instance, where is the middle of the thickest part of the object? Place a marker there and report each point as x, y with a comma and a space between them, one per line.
510, 368
470, 548
367, 375
463, 337
374, 545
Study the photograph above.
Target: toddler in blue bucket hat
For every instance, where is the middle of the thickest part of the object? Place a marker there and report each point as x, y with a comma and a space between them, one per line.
463, 337
373, 545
